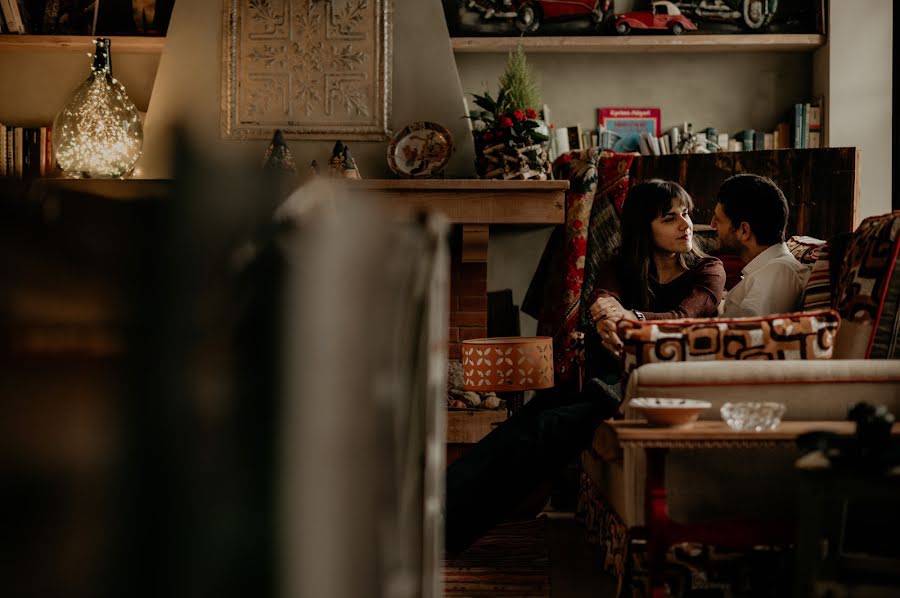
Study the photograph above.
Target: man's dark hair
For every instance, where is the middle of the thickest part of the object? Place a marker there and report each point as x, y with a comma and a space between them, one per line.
759, 202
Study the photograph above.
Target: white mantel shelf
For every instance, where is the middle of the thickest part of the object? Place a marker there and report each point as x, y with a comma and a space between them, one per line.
475, 201
663, 43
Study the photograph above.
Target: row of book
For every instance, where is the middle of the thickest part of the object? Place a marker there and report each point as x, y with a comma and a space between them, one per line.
638, 130
26, 152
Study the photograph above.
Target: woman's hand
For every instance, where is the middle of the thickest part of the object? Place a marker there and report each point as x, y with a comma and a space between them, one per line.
606, 328
607, 308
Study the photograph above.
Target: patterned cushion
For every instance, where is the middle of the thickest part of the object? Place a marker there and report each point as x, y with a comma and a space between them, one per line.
805, 249
867, 291
781, 336
817, 294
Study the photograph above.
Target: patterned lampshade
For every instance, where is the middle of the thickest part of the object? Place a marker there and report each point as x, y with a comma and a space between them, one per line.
507, 364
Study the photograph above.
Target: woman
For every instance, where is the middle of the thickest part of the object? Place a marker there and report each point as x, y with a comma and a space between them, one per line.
657, 273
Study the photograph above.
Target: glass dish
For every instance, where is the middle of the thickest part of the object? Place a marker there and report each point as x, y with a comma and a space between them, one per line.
753, 416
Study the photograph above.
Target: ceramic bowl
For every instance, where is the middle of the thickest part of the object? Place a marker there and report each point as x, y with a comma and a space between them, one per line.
669, 412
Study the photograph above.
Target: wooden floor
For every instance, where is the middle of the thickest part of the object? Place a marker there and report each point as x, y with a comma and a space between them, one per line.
545, 557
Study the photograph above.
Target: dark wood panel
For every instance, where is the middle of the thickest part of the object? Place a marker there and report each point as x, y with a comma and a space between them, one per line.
821, 185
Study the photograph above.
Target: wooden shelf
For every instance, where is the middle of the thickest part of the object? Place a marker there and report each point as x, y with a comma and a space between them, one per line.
668, 44
64, 44
475, 201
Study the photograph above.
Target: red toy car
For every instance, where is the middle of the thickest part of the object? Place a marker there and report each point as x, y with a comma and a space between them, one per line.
532, 13
665, 16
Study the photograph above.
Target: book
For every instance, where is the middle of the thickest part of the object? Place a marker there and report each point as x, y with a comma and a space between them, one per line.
574, 137
712, 138
2, 150
630, 120
722, 142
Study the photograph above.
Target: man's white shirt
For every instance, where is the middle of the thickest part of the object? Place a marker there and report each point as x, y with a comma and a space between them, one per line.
772, 283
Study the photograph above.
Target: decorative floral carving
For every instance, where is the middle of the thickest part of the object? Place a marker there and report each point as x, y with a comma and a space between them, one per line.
316, 68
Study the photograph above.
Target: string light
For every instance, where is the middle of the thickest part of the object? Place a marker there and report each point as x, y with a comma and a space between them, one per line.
98, 132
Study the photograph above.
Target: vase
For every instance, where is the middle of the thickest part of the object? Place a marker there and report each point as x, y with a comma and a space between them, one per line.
98, 132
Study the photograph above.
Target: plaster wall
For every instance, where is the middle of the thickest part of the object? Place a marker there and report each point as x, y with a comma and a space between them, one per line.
859, 58
188, 89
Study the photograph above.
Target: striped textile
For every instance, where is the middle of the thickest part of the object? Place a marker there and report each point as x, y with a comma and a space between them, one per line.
512, 560
817, 294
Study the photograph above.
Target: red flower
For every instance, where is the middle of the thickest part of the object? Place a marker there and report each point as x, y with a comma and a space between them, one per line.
520, 116
530, 113
505, 122
488, 135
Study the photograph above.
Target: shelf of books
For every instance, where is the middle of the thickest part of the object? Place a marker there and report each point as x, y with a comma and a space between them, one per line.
16, 43
801, 42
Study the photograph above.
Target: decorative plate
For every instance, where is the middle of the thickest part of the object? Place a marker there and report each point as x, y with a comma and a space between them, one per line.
421, 149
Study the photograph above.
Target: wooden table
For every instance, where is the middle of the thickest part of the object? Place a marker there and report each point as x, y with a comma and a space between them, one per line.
661, 532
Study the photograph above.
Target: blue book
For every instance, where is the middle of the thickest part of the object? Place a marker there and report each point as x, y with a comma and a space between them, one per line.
797, 123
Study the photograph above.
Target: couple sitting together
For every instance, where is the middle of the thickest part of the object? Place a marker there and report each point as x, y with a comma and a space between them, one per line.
658, 273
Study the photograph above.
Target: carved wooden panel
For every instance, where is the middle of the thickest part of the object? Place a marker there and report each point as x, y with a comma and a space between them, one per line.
317, 69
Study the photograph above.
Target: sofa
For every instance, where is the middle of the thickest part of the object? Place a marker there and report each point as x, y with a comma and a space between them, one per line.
848, 352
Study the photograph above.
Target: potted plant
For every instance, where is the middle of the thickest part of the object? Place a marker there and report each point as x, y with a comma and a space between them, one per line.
509, 138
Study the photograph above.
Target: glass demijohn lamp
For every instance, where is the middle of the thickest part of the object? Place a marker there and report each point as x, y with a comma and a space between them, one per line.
98, 133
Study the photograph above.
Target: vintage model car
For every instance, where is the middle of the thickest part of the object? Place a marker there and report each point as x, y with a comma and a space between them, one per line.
749, 14
529, 14
663, 16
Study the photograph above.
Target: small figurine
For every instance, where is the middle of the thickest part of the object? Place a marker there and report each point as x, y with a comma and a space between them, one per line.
664, 16
342, 163
278, 157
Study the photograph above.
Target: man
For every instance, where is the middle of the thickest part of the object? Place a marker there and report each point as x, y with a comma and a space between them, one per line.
750, 218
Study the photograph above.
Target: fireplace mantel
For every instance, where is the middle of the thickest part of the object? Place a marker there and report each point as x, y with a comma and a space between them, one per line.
475, 201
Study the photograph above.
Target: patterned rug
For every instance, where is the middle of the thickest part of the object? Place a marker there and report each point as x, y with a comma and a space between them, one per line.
511, 560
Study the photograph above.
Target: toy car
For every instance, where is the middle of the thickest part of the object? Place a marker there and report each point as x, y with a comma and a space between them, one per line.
532, 13
664, 16
527, 15
750, 14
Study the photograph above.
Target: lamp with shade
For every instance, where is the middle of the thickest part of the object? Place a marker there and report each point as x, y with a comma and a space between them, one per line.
508, 365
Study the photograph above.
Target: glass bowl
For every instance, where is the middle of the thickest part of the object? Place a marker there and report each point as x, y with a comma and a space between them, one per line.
669, 412
753, 416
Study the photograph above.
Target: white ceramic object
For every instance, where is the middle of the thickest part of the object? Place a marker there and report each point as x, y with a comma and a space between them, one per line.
669, 412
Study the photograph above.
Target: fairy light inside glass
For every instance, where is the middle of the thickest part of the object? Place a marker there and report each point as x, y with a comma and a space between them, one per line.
98, 133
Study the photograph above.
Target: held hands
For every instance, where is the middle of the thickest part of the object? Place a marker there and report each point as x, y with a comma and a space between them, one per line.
605, 314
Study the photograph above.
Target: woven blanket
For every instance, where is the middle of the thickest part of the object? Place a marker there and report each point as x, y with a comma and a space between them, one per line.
565, 276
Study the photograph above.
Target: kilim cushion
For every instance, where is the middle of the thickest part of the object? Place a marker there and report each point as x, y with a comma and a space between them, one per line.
867, 291
805, 249
817, 294
781, 336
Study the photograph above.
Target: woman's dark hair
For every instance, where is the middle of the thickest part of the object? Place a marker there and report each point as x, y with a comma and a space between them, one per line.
644, 203
759, 202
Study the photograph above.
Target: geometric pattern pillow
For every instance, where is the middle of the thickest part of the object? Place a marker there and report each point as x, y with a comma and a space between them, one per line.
808, 335
866, 294
805, 249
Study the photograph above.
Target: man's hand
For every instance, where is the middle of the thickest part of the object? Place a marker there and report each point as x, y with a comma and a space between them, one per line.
607, 308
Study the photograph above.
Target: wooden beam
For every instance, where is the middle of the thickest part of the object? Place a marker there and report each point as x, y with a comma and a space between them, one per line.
474, 201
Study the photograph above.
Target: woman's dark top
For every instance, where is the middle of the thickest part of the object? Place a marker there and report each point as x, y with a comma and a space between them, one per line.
694, 294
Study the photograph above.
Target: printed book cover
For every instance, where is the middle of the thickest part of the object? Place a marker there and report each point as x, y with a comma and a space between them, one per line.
623, 127
630, 120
